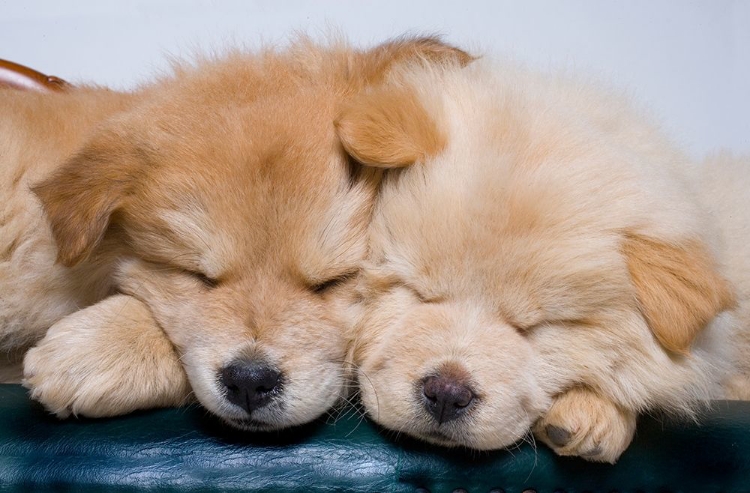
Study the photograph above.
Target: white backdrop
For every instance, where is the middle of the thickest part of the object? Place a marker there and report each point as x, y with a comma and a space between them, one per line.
688, 60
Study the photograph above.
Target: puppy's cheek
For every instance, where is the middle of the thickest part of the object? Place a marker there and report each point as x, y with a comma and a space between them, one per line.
311, 393
509, 410
367, 396
368, 393
389, 397
391, 361
500, 422
314, 373
202, 370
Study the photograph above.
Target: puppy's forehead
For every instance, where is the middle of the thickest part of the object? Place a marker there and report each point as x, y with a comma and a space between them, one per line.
255, 182
497, 219
526, 276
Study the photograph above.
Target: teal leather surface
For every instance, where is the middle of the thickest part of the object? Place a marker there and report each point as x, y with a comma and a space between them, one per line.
188, 450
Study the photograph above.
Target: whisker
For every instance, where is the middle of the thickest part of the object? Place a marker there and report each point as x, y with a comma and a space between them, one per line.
374, 392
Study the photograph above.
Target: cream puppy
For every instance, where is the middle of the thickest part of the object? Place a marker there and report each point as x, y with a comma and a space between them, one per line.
545, 263
197, 235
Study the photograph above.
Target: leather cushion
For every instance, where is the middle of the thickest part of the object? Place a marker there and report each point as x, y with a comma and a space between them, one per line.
188, 450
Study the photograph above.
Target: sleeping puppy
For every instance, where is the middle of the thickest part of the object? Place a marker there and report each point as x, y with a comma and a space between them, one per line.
215, 207
545, 263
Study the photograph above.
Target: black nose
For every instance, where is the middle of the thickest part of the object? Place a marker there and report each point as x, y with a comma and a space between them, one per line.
250, 384
446, 397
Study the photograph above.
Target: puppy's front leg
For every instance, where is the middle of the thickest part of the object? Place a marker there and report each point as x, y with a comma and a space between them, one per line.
583, 423
108, 359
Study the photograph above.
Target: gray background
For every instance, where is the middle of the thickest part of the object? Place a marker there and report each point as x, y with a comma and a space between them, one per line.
687, 60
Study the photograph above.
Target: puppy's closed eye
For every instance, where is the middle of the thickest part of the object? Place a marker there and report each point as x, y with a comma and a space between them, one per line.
324, 286
527, 326
206, 281
422, 296
386, 281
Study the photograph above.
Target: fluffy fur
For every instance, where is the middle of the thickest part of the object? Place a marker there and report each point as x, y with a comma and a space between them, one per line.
215, 207
552, 263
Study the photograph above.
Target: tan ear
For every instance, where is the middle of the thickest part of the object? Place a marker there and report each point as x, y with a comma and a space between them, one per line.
80, 197
678, 288
388, 128
376, 63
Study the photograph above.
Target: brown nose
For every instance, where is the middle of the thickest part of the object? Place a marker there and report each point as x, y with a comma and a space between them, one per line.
446, 397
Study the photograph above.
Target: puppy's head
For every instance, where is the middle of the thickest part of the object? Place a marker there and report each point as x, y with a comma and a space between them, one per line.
530, 248
238, 219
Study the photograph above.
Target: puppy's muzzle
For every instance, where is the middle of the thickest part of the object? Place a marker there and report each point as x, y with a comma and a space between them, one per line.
251, 385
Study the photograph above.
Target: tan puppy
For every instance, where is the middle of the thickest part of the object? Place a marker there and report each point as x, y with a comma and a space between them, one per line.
544, 264
216, 205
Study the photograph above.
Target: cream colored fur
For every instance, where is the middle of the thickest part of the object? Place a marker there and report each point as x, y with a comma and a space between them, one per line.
151, 239
107, 359
557, 251
722, 183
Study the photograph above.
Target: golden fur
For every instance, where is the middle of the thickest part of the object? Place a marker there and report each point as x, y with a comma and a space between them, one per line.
390, 129
555, 251
215, 206
678, 288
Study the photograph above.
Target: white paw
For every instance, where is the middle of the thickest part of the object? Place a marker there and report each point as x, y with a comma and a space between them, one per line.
581, 423
105, 360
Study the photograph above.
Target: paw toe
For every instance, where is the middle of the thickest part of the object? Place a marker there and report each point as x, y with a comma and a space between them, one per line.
592, 453
560, 437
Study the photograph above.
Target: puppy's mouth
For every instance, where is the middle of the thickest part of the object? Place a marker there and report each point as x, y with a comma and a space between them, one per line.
441, 435
266, 419
252, 424
461, 436
437, 436
456, 439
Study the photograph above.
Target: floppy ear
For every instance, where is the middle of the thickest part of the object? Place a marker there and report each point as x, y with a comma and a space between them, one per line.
80, 197
678, 288
388, 128
376, 63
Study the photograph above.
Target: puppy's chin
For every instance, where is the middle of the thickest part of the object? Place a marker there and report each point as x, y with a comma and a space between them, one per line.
250, 424
454, 437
